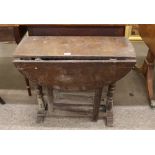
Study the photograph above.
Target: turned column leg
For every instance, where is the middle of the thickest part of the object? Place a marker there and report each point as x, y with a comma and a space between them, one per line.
109, 105
28, 86
42, 106
97, 101
50, 99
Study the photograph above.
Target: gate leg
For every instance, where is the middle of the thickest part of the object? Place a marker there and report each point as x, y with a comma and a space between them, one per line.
97, 101
42, 106
109, 105
50, 99
28, 86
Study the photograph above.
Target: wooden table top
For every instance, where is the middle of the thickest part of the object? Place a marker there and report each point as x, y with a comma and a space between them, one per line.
75, 46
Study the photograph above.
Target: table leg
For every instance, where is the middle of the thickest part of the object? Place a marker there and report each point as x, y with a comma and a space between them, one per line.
109, 105
19, 32
97, 101
42, 106
28, 86
50, 99
2, 101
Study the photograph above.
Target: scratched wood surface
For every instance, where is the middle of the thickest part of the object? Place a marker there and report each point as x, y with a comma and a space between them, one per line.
75, 46
74, 75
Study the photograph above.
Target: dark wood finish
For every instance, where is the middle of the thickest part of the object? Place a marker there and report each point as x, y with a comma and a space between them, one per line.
102, 50
42, 105
74, 74
147, 32
109, 105
77, 30
50, 99
16, 31
28, 86
19, 32
6, 34
75, 63
70, 47
97, 101
2, 101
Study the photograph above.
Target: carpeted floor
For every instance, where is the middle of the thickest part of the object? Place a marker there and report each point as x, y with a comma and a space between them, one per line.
131, 106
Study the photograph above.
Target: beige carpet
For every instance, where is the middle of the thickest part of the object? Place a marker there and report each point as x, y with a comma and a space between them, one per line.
131, 106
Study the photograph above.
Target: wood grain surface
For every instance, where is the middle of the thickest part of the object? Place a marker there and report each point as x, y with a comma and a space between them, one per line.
69, 47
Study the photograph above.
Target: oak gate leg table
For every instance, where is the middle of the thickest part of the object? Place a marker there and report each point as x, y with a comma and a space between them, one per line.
73, 30
75, 63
